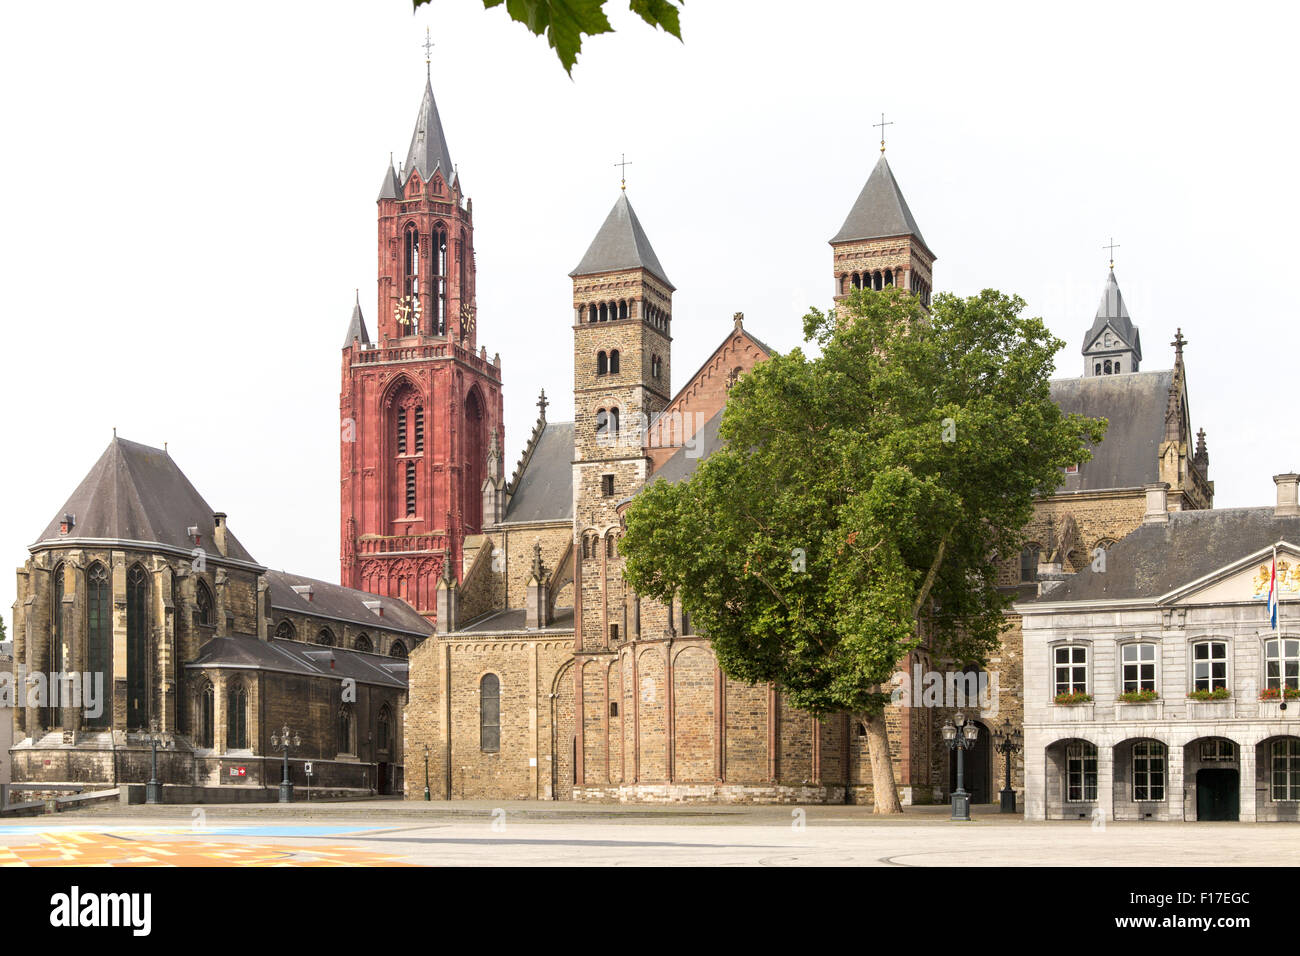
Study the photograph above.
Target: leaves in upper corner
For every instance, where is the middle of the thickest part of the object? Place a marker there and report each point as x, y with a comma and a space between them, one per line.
566, 22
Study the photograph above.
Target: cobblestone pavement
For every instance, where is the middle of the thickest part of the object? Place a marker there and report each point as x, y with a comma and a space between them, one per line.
393, 832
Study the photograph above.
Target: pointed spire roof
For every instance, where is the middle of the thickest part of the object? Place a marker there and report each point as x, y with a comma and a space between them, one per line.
357, 327
137, 493
621, 244
392, 186
1114, 313
428, 144
880, 210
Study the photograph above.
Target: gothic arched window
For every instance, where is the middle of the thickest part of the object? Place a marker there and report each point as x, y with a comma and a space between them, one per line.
382, 729
203, 613
362, 643
439, 290
398, 650
489, 713
346, 742
284, 630
411, 276
137, 648
99, 637
1029, 562
237, 718
325, 637
475, 467
56, 640
204, 714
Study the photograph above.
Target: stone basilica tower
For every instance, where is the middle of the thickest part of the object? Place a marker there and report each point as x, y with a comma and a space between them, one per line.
421, 405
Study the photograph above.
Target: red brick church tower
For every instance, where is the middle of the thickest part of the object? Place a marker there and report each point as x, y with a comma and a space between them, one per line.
421, 404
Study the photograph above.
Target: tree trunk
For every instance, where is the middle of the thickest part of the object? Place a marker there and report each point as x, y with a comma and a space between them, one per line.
882, 767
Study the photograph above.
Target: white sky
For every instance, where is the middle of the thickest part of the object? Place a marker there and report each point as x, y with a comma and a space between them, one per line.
188, 203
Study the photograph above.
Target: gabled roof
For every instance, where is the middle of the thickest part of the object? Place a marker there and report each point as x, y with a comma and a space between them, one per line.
428, 144
1158, 558
880, 210
544, 492
137, 493
703, 444
357, 327
621, 244
1114, 313
343, 604
296, 657
1135, 405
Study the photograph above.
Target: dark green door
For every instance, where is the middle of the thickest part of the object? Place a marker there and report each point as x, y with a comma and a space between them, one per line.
1217, 794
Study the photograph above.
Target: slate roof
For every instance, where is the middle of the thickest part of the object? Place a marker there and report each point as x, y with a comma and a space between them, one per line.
137, 493
1135, 405
880, 210
1114, 313
684, 462
621, 244
312, 660
391, 188
544, 491
357, 327
344, 604
428, 144
1155, 559
512, 619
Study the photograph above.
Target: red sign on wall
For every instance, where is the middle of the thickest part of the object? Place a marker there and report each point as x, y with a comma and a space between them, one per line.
238, 771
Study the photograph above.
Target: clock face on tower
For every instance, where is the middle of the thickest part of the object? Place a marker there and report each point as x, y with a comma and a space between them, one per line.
466, 319
407, 314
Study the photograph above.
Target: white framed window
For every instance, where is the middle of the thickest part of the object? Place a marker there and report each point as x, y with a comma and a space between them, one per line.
1209, 665
1218, 750
1282, 663
1071, 669
1080, 772
1285, 779
1138, 667
1148, 770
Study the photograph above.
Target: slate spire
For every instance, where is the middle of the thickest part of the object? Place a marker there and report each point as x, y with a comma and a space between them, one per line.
1125, 342
392, 186
428, 144
357, 326
880, 210
621, 244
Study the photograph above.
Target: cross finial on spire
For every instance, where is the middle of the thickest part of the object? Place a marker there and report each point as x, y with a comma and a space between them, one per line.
882, 124
1112, 246
624, 163
428, 53
542, 402
1178, 344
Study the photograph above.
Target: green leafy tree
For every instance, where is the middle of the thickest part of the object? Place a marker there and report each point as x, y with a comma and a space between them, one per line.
566, 22
857, 506
4, 635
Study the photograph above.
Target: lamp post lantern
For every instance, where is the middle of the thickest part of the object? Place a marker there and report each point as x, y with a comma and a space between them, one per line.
426, 773
1007, 740
960, 736
153, 789
284, 740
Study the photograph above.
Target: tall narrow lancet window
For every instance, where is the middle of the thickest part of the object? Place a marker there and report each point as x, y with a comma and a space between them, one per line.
410, 489
489, 713
137, 648
206, 715
475, 467
237, 718
401, 430
56, 646
613, 422
419, 429
440, 281
411, 288
99, 638
613, 362
602, 363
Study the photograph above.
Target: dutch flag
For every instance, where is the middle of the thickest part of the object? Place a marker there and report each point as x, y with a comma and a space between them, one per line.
1272, 593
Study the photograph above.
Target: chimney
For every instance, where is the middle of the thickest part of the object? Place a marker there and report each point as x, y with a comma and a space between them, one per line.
66, 525
1287, 504
1157, 503
219, 531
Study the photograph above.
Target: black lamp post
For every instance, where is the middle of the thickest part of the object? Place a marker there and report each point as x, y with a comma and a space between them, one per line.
153, 789
284, 740
960, 736
426, 773
1007, 741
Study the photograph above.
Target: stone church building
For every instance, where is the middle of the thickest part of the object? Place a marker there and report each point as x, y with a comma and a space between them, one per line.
483, 625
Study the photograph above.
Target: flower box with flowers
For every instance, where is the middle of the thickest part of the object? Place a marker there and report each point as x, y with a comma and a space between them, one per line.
1207, 704
1273, 703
